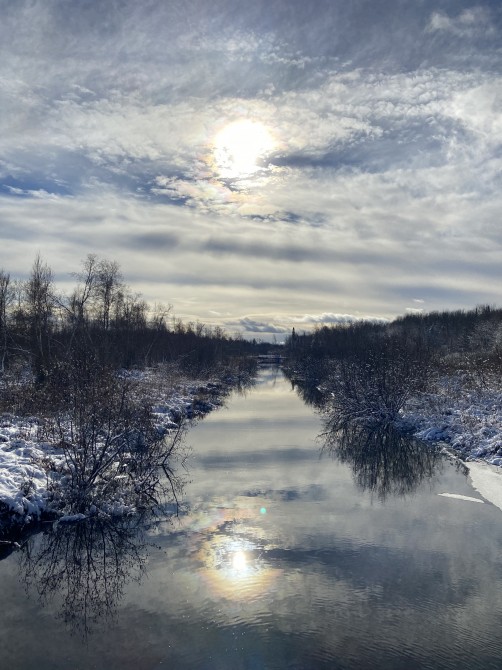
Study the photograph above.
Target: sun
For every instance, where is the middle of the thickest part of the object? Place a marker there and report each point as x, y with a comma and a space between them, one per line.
240, 147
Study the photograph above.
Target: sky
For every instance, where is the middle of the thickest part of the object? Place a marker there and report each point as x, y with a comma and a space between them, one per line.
261, 164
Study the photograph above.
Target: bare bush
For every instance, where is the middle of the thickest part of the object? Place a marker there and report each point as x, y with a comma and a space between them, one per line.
116, 459
374, 386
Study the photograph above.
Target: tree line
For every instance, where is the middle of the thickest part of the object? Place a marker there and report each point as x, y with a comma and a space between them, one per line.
366, 371
101, 317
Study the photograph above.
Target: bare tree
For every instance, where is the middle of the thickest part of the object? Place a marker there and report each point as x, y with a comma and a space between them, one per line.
87, 281
109, 284
39, 297
6, 296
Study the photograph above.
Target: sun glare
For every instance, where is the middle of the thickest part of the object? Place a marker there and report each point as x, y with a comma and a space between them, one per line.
240, 147
239, 561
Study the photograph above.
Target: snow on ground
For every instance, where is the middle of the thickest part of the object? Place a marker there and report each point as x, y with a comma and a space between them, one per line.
23, 457
467, 418
23, 480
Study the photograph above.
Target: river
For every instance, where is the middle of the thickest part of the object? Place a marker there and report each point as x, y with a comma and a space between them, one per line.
286, 556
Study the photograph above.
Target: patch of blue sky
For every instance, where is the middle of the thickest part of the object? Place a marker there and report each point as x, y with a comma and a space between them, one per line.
31, 186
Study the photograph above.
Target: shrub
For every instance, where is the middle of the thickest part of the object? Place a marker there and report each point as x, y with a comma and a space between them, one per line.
374, 386
113, 452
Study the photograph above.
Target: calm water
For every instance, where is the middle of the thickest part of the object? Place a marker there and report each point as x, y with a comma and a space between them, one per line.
286, 558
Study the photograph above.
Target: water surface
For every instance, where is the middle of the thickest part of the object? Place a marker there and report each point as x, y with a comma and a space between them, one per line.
289, 556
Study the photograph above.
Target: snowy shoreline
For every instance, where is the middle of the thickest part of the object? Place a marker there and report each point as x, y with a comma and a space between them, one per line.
25, 458
467, 419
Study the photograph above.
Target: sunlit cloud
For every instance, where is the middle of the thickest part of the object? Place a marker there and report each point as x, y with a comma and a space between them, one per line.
250, 325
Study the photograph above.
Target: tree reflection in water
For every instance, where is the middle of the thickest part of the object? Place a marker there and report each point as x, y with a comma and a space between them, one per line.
384, 460
85, 566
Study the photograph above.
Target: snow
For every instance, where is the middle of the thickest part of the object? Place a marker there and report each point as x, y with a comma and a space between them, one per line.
487, 480
467, 419
459, 496
23, 479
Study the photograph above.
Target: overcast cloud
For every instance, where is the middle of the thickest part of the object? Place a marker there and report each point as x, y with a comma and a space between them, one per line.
378, 190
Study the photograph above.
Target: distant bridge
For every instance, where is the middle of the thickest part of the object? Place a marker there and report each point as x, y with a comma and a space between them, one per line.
271, 359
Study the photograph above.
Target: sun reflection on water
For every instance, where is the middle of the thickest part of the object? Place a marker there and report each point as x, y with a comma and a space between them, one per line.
232, 566
239, 561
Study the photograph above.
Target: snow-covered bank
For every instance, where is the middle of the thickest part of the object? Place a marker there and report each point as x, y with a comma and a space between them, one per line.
468, 419
23, 477
25, 458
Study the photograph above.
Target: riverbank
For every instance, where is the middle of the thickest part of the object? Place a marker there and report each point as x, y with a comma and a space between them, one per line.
29, 464
465, 416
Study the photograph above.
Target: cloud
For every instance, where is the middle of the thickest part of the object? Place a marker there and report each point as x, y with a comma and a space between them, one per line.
471, 22
152, 241
329, 318
251, 325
